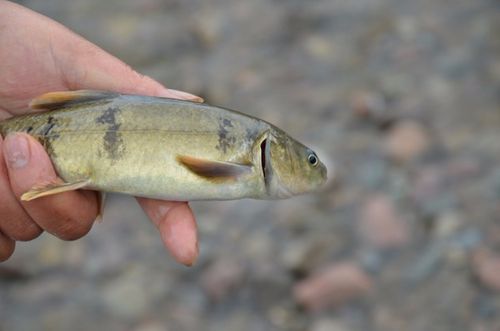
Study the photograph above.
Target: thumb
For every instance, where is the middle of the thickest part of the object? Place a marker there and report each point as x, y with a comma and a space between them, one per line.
96, 69
102, 71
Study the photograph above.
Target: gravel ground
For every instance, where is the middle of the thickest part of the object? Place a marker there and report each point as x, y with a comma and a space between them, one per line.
400, 97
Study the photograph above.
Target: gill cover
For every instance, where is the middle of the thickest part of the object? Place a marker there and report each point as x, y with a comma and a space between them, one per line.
271, 160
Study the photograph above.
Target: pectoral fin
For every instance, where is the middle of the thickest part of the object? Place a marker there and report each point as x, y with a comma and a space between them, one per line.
52, 188
53, 100
214, 169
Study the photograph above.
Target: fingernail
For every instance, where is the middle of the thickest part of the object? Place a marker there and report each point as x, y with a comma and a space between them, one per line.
189, 258
195, 255
187, 255
170, 93
17, 150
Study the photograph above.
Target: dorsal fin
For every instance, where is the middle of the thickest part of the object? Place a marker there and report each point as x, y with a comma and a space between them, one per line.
217, 170
54, 100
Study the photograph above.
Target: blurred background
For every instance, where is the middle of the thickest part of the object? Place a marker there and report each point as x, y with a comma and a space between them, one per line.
403, 96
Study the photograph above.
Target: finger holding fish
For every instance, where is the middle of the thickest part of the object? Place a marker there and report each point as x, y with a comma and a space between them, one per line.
68, 215
7, 246
176, 224
15, 223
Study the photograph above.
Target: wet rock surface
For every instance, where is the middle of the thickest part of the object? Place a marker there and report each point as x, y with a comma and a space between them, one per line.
400, 97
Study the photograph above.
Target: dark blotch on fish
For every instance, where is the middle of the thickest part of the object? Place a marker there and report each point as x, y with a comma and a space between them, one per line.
46, 129
113, 142
47, 134
225, 137
251, 134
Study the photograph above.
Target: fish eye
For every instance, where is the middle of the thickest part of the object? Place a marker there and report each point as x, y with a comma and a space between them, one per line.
313, 159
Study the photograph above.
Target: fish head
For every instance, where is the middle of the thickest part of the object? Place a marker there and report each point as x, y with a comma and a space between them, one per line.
289, 167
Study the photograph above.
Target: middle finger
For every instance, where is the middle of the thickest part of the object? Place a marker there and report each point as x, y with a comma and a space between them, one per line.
14, 221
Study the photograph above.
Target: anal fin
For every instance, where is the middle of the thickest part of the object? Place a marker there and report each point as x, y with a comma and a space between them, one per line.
39, 191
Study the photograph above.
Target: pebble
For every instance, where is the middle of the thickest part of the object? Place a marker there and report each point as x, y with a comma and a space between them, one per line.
406, 141
385, 319
370, 105
450, 247
282, 317
328, 324
151, 326
301, 255
221, 277
125, 299
320, 47
54, 252
486, 267
428, 183
381, 225
333, 287
464, 168
133, 293
447, 224
209, 29
296, 255
428, 262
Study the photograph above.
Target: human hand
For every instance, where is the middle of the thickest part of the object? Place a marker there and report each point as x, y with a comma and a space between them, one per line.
39, 55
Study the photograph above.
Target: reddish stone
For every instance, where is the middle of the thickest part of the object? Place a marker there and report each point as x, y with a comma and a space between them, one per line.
380, 224
333, 286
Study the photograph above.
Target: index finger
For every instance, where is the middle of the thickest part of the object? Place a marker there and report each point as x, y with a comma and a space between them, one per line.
177, 226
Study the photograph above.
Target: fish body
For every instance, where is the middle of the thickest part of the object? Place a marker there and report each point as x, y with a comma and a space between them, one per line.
164, 148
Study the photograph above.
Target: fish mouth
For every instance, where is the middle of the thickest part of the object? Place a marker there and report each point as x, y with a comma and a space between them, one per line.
324, 174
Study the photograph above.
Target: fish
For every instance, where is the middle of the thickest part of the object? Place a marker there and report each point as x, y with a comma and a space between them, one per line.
164, 148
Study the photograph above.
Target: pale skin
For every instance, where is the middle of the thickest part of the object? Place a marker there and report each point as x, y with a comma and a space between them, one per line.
39, 55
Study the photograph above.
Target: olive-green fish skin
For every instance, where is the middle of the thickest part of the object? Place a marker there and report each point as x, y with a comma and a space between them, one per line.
133, 145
